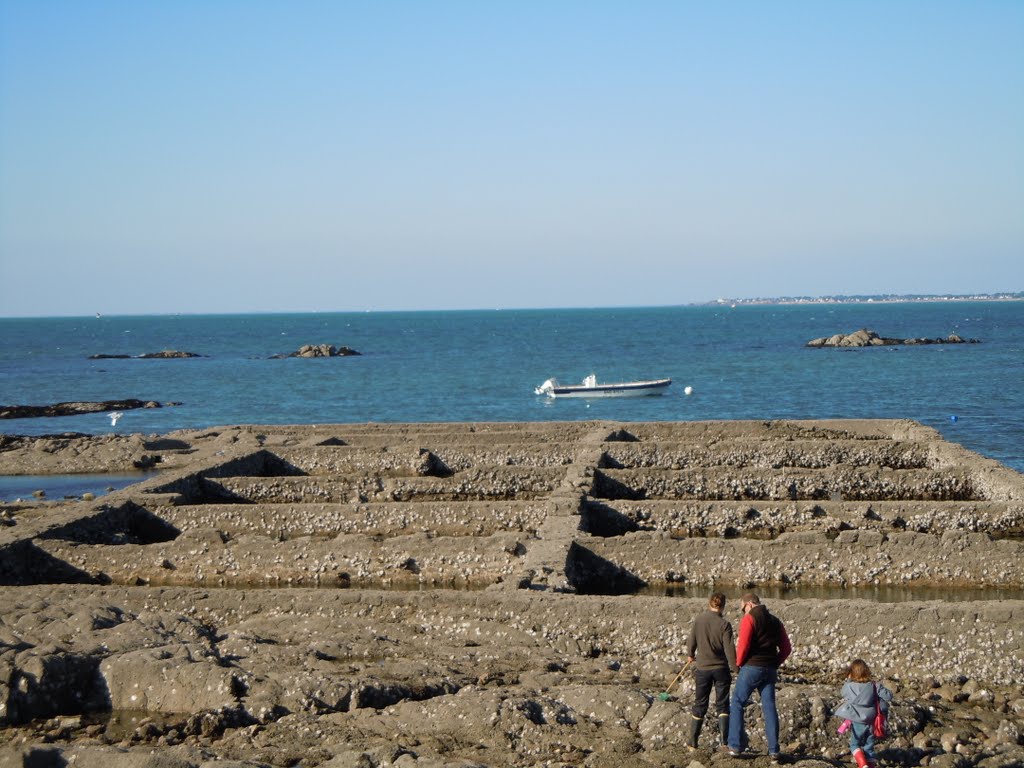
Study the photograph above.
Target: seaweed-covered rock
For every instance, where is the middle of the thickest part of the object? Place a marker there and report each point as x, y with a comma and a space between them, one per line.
72, 408
166, 354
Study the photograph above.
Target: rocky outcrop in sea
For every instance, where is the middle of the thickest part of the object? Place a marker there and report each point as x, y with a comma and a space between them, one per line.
868, 338
74, 408
166, 354
319, 350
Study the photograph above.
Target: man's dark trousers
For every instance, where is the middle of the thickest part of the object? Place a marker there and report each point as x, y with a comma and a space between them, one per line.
721, 679
704, 679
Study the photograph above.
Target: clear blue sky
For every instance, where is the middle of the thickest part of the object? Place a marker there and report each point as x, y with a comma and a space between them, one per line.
289, 156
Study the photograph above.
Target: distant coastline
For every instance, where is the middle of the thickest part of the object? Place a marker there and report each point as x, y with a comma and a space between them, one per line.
872, 299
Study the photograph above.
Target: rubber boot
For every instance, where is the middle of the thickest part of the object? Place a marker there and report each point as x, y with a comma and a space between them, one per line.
861, 759
723, 728
696, 723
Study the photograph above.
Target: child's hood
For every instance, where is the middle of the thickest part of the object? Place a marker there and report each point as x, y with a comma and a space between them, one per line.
859, 694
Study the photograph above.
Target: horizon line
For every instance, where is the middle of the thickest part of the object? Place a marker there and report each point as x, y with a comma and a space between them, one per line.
863, 298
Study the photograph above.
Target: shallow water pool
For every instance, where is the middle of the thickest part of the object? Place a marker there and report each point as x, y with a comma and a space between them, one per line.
57, 487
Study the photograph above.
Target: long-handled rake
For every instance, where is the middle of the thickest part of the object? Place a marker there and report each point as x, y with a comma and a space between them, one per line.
665, 695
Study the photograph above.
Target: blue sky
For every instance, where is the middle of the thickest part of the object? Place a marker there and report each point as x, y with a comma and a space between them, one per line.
272, 156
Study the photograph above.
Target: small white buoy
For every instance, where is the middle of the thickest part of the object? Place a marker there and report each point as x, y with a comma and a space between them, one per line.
688, 391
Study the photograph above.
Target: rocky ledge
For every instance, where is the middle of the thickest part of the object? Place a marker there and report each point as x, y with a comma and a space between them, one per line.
868, 338
464, 595
74, 408
319, 350
167, 354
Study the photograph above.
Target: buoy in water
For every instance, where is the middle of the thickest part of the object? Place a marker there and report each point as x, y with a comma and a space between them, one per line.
953, 419
688, 391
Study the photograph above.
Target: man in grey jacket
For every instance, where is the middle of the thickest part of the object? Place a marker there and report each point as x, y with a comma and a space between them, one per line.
713, 655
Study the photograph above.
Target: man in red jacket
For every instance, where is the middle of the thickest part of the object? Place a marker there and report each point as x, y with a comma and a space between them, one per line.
762, 647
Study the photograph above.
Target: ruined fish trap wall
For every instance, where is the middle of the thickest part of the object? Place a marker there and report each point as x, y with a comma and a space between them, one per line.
426, 559
586, 507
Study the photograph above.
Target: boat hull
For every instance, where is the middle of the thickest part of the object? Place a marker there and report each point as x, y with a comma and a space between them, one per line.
623, 389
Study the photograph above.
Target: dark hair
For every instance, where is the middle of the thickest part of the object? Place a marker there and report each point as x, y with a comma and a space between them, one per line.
751, 598
859, 671
717, 600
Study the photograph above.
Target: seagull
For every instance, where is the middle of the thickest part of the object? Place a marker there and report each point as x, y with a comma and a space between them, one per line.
114, 417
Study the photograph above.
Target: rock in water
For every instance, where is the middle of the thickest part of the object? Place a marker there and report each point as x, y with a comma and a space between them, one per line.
319, 350
865, 337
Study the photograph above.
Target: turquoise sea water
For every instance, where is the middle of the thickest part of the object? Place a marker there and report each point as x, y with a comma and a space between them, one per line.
747, 362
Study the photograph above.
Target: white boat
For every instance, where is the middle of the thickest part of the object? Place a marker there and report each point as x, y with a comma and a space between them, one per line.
590, 388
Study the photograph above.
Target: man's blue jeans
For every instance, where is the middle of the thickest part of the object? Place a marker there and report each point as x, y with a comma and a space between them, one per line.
762, 680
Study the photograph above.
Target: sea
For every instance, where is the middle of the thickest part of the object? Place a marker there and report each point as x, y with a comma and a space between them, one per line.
737, 362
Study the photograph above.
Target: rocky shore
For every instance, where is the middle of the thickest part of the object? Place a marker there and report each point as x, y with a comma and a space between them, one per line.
486, 594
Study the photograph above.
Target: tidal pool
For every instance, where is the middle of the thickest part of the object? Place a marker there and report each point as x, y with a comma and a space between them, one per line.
57, 487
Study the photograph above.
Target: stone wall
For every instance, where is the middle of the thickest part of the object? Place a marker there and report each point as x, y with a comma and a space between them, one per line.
488, 594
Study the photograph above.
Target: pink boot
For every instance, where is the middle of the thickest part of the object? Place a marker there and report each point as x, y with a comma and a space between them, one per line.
861, 759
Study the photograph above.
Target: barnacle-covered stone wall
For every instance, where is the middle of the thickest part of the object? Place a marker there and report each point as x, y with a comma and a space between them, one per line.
502, 594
